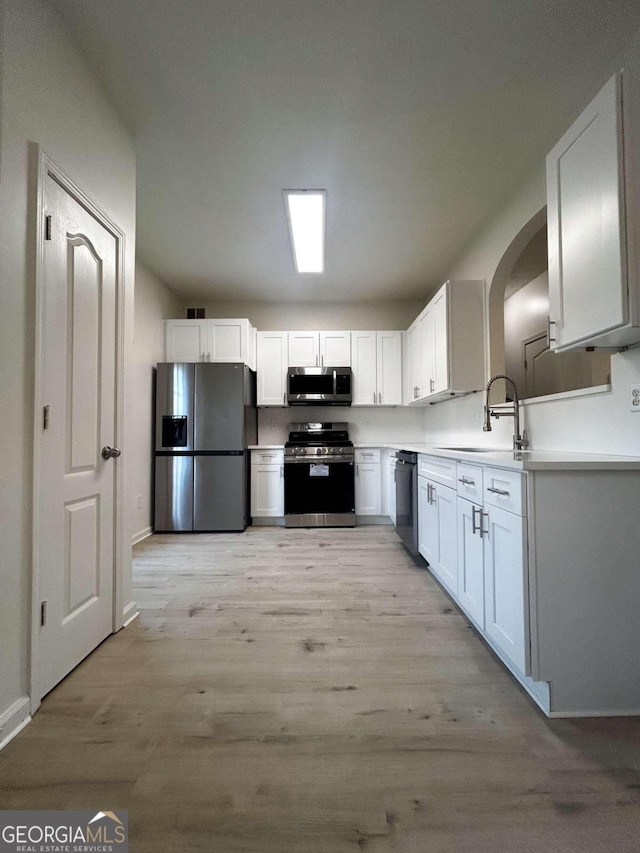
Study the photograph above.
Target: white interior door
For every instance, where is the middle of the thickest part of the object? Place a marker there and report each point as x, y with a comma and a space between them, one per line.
75, 507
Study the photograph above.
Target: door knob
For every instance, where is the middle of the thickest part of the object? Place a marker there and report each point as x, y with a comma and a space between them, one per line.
110, 452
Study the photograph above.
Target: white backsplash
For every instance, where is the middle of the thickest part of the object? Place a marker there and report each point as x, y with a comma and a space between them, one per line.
366, 425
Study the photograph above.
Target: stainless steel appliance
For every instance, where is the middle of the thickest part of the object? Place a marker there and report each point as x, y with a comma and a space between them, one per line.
407, 499
319, 386
206, 417
319, 488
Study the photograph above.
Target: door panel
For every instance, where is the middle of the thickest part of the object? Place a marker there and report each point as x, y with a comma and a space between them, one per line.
504, 565
75, 501
173, 493
219, 407
220, 493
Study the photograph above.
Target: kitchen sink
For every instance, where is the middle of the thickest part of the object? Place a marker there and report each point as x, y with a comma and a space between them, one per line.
471, 449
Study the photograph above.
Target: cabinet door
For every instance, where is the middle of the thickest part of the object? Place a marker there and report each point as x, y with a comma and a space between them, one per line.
447, 516
363, 364
392, 488
440, 331
185, 340
389, 368
273, 360
267, 491
304, 349
585, 191
427, 382
505, 573
368, 489
335, 349
427, 523
228, 340
413, 363
470, 561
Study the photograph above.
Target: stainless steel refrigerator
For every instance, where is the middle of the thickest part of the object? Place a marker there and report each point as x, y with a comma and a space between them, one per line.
205, 419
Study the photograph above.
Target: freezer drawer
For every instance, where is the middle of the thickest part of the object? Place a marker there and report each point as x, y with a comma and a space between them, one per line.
173, 493
220, 492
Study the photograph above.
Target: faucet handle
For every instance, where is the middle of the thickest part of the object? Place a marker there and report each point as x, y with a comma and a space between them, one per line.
520, 441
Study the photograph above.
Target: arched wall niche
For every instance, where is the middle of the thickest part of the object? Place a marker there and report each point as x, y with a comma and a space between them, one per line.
498, 285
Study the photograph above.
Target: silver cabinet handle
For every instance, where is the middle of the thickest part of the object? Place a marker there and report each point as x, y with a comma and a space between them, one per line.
432, 386
498, 491
466, 481
357, 470
476, 528
374, 398
380, 397
483, 515
110, 452
551, 338
281, 471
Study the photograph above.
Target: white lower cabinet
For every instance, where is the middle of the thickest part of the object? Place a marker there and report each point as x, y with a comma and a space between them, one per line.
391, 473
477, 549
470, 561
267, 483
505, 581
547, 571
368, 481
437, 540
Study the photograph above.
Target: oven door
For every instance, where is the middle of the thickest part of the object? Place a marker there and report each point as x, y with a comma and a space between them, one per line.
319, 494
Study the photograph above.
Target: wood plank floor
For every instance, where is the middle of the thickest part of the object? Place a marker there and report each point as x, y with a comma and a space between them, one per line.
312, 691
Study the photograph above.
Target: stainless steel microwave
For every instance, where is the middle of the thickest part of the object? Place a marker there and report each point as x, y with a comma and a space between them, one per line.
319, 386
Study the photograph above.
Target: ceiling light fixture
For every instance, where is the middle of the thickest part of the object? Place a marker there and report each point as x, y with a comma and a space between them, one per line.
306, 214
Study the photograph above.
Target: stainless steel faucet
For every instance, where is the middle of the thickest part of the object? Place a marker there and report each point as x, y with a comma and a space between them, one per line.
519, 441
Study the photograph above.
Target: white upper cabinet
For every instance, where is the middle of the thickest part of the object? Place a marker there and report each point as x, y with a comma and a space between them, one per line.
185, 340
376, 361
592, 226
317, 349
445, 344
273, 361
227, 340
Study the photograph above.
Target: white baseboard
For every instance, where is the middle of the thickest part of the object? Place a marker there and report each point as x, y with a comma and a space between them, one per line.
129, 613
13, 720
141, 534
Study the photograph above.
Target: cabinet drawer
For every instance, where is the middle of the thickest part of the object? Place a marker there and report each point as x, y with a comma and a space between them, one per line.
267, 457
505, 489
367, 454
438, 469
469, 483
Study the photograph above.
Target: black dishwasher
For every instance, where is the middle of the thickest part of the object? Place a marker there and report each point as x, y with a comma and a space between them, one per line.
407, 499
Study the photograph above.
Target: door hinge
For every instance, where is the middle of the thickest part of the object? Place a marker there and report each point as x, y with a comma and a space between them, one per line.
45, 418
47, 228
43, 614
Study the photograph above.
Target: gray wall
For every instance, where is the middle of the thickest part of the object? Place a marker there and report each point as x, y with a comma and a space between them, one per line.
154, 302
48, 96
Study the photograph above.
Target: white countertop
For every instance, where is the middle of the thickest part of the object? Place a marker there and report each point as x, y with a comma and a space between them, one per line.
527, 460
524, 460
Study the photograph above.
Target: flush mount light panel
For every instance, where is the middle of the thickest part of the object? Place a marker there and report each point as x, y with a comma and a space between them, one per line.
306, 213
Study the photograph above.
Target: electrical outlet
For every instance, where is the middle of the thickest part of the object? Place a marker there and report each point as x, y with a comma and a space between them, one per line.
367, 423
634, 398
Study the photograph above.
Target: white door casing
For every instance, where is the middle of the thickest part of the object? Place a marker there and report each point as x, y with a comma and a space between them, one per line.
77, 554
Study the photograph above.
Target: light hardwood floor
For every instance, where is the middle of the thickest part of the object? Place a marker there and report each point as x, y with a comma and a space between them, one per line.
312, 691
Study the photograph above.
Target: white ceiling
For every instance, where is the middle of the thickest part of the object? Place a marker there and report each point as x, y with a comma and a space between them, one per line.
419, 118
